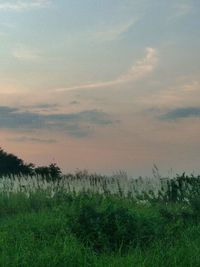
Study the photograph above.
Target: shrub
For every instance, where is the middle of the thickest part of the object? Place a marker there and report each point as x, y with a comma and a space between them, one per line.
112, 229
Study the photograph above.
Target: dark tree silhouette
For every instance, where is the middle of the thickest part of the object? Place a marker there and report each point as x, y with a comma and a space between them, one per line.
51, 172
42, 171
55, 171
12, 165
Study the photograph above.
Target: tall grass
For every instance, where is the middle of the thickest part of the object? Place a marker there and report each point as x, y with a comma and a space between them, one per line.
179, 188
84, 219
90, 229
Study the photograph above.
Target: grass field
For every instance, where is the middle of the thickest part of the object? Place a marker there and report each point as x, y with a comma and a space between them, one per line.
98, 229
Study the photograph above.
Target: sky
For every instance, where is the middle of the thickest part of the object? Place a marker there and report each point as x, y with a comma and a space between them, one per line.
102, 85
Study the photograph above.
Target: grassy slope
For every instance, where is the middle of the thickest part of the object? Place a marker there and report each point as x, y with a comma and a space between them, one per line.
37, 232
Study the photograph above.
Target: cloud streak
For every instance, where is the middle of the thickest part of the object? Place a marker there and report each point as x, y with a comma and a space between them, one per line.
114, 32
183, 8
181, 113
23, 139
24, 54
22, 5
138, 71
76, 124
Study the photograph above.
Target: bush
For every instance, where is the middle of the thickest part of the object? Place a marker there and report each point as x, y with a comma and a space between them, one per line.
112, 229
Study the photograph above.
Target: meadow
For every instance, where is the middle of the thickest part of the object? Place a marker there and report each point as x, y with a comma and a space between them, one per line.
84, 219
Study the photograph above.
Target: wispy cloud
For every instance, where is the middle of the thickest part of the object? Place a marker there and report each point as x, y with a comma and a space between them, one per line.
42, 107
103, 32
191, 87
182, 8
76, 124
23, 139
22, 5
25, 54
137, 71
181, 113
114, 32
74, 102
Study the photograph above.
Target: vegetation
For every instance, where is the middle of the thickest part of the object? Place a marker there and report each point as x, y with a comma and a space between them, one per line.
48, 219
12, 165
94, 230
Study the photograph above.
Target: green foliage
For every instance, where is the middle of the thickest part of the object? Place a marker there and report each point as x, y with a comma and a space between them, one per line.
103, 230
182, 188
61, 226
114, 228
69, 230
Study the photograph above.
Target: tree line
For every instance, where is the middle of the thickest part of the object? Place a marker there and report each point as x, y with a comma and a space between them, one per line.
11, 165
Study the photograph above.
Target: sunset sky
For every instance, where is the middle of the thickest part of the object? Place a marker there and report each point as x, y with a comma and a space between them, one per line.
103, 85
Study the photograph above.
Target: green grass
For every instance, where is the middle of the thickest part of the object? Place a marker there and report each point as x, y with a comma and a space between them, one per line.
96, 230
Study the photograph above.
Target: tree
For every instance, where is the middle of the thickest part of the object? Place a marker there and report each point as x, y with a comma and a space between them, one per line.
51, 172
10, 164
55, 171
42, 171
